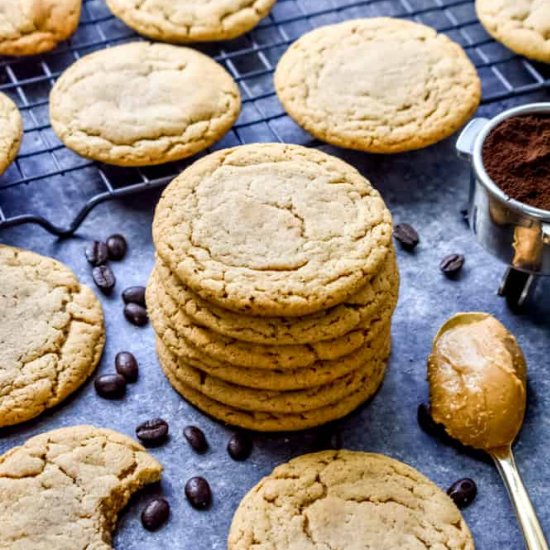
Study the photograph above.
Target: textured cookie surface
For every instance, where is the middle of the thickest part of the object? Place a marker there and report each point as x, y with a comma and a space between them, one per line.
11, 131
191, 20
381, 288
521, 25
272, 422
246, 354
51, 334
272, 229
351, 500
380, 85
29, 27
273, 401
63, 489
141, 104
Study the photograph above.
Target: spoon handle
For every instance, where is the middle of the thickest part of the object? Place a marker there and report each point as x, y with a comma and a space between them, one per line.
527, 517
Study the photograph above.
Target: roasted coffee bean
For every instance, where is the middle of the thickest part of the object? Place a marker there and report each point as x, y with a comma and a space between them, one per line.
452, 264
104, 278
426, 422
96, 253
463, 492
406, 235
127, 365
196, 438
110, 386
329, 438
197, 491
155, 514
152, 432
116, 244
134, 295
136, 314
239, 446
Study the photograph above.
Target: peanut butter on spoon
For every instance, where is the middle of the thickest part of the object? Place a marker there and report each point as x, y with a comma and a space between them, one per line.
477, 375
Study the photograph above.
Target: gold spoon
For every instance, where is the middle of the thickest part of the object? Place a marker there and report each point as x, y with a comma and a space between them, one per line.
477, 376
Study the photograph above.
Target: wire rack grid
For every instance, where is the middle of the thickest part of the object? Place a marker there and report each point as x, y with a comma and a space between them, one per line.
55, 188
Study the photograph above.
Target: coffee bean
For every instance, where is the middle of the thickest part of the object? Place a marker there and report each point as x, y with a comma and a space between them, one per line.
136, 314
117, 246
463, 492
96, 253
426, 421
329, 438
196, 439
134, 295
155, 514
452, 264
127, 365
104, 278
152, 432
110, 386
406, 235
239, 446
197, 491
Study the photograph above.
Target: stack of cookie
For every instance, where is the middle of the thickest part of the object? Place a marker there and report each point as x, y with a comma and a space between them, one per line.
274, 286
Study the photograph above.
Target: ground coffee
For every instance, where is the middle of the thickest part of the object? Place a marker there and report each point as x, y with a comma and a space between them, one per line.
516, 155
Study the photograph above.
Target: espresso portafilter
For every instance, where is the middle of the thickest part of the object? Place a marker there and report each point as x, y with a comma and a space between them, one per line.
516, 233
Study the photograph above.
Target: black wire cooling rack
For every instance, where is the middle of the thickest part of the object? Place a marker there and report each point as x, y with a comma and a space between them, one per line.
51, 186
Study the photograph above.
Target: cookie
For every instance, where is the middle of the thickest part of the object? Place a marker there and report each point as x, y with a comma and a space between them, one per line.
523, 26
191, 20
380, 85
279, 402
280, 379
245, 354
64, 489
51, 334
141, 104
29, 27
325, 325
272, 422
346, 499
373, 336
11, 131
272, 229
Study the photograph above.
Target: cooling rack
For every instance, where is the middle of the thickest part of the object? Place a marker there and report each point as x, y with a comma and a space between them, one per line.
51, 186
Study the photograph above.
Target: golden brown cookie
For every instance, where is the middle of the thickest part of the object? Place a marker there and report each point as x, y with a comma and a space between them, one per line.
274, 401
381, 85
346, 499
51, 334
521, 25
381, 288
29, 27
141, 104
191, 20
272, 229
11, 131
272, 422
63, 489
245, 354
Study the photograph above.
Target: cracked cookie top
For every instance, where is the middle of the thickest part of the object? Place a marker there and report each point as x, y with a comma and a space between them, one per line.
352, 500
51, 334
64, 489
11, 131
272, 229
381, 85
521, 25
29, 27
141, 104
191, 20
